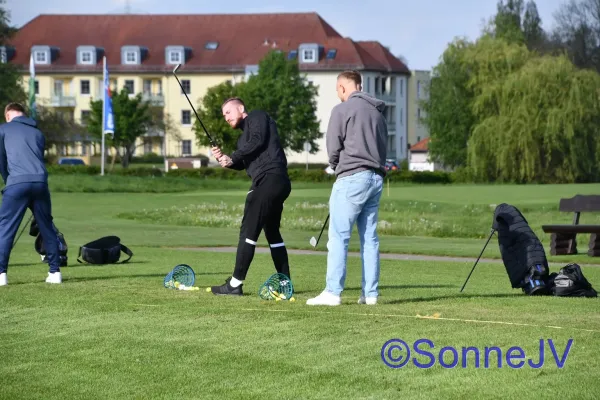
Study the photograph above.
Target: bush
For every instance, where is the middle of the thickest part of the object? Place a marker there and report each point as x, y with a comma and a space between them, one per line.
296, 174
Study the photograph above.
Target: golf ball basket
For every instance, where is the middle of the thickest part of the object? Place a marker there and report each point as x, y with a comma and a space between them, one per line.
182, 274
277, 287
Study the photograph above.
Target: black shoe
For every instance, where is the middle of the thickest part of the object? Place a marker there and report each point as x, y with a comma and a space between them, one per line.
227, 289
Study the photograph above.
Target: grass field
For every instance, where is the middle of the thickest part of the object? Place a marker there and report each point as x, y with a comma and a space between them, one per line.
116, 332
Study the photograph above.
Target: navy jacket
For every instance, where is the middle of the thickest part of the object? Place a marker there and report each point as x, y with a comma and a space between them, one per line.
22, 152
258, 148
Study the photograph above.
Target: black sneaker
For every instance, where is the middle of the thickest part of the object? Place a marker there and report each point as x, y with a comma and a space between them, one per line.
227, 289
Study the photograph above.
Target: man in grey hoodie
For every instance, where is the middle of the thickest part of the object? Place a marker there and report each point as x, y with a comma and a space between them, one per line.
356, 146
26, 179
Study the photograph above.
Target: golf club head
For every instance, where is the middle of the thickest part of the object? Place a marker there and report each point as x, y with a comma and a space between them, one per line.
176, 68
313, 241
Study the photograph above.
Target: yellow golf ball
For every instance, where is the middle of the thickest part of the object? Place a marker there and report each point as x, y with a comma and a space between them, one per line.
208, 289
292, 299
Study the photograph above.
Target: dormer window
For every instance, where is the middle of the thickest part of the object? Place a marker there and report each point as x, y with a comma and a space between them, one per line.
308, 55
87, 55
174, 57
40, 57
176, 54
132, 54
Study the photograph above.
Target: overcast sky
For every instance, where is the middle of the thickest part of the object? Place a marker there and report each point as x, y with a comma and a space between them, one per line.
417, 30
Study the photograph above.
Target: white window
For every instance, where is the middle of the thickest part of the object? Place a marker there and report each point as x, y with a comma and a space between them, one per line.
86, 57
175, 57
186, 147
308, 55
131, 57
40, 57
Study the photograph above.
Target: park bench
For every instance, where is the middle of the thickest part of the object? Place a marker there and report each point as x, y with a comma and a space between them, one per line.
563, 239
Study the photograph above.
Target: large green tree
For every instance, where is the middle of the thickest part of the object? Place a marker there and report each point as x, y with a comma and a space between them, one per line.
11, 81
448, 113
133, 118
279, 89
546, 126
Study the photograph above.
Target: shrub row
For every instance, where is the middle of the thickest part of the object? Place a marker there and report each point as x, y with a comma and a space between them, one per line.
296, 174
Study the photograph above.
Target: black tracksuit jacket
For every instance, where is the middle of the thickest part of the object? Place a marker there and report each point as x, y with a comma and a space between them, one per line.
258, 148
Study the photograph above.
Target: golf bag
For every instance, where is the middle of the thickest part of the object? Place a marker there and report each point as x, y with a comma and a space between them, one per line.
570, 282
38, 245
106, 250
522, 252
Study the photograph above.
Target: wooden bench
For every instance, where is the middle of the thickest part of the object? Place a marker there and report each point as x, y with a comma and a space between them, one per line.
563, 239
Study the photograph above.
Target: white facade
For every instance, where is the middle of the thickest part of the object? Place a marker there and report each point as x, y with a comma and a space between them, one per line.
420, 162
391, 88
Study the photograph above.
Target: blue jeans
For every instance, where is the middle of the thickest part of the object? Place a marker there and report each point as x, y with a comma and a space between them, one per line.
354, 199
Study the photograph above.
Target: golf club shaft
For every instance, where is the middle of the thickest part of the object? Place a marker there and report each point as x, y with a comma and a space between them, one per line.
22, 230
480, 254
194, 109
322, 229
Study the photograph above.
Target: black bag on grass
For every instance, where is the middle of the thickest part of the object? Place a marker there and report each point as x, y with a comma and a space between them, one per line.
570, 282
106, 250
522, 252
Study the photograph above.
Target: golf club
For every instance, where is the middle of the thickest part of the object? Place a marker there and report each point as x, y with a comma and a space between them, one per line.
480, 254
191, 105
22, 230
313, 241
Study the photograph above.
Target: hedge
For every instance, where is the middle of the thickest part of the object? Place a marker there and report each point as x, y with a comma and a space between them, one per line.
296, 174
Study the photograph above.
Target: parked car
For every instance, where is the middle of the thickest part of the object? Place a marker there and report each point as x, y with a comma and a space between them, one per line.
70, 161
391, 165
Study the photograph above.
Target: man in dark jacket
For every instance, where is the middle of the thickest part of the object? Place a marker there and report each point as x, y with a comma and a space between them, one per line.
26, 179
259, 151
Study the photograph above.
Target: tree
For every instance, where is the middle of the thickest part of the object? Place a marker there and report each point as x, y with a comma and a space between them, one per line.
578, 32
212, 117
545, 128
11, 86
133, 118
448, 113
507, 21
58, 128
534, 35
279, 89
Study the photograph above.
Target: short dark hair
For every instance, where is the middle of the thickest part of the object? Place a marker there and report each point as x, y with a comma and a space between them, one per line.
14, 107
236, 99
352, 75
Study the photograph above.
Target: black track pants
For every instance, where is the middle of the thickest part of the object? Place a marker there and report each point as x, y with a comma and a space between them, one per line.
264, 206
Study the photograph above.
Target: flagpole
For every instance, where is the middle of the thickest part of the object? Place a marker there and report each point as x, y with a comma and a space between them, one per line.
103, 113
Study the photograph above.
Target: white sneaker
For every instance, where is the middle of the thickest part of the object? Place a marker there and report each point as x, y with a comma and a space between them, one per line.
367, 300
3, 279
325, 299
55, 277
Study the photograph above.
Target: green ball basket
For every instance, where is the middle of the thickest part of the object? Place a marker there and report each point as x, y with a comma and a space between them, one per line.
277, 286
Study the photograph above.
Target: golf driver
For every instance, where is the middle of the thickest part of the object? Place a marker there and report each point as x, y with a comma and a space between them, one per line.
212, 142
313, 241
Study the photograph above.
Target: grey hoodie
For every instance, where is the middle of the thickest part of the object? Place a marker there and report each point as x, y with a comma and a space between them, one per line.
22, 152
357, 135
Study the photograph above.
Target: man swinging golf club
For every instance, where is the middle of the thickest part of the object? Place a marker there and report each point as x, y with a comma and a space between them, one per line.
259, 151
23, 170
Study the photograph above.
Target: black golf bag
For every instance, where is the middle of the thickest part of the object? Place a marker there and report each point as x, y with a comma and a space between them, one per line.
34, 230
522, 252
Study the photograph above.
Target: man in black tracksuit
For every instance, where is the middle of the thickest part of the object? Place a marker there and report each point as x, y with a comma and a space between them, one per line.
259, 151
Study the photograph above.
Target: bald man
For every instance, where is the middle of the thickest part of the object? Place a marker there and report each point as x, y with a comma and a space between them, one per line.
260, 153
356, 145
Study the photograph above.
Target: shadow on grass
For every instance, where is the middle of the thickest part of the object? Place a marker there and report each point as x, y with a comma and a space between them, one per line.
453, 297
100, 278
418, 286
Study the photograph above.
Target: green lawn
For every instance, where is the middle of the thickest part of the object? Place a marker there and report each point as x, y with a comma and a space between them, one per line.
116, 332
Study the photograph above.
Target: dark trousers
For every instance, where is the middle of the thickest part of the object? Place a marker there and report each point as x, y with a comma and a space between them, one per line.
16, 199
263, 209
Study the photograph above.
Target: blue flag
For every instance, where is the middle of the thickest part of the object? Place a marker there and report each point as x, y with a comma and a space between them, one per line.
108, 125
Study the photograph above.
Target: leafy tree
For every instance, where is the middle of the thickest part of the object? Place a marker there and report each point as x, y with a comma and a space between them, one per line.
507, 21
58, 128
279, 89
448, 113
534, 35
545, 129
212, 117
11, 81
133, 118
